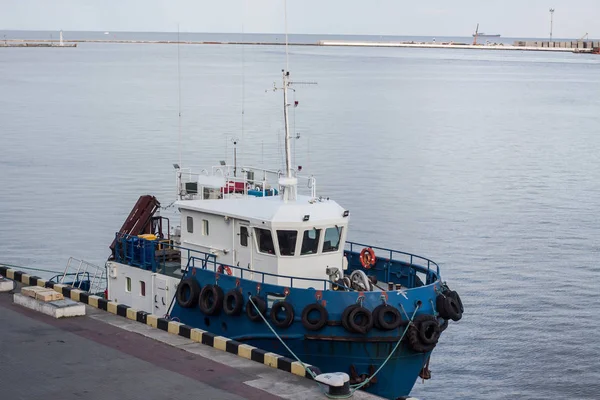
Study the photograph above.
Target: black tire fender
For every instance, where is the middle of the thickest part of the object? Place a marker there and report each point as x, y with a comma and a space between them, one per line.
452, 308
381, 322
443, 325
456, 297
439, 305
360, 320
288, 310
429, 331
233, 302
312, 324
448, 307
188, 286
345, 315
414, 334
251, 311
211, 300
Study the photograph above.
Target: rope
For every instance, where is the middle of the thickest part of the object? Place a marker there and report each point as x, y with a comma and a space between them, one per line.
31, 268
281, 340
356, 387
353, 388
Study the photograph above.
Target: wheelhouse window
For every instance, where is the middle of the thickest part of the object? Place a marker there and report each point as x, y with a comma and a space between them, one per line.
244, 236
310, 242
331, 242
190, 225
205, 227
287, 242
265, 241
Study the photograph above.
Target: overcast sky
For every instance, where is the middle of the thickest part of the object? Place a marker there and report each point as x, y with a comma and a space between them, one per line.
512, 18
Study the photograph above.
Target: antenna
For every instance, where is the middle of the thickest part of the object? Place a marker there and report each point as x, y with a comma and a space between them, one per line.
287, 64
243, 71
179, 94
288, 182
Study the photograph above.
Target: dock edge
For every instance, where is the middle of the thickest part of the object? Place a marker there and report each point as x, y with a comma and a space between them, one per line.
176, 328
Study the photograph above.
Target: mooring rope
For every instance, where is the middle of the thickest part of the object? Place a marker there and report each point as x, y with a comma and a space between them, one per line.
281, 340
31, 268
355, 387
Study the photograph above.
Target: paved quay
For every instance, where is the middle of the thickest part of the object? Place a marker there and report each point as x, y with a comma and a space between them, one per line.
103, 356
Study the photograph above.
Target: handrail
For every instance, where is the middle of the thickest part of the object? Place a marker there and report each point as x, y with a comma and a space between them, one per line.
205, 258
217, 265
261, 176
392, 252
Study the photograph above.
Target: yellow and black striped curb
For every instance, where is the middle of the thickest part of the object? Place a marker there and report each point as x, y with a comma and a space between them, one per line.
177, 328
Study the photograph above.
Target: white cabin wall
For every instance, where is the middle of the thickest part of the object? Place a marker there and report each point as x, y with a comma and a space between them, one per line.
219, 240
309, 266
152, 302
312, 266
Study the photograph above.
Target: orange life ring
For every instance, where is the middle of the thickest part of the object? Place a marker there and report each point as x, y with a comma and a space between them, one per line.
367, 257
226, 268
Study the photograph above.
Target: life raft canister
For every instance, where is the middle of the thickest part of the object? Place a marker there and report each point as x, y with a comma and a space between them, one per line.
367, 257
187, 293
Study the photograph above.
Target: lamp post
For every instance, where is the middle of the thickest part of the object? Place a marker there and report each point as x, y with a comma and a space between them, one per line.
551, 22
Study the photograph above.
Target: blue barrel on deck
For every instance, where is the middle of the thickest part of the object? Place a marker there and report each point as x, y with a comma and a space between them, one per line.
142, 252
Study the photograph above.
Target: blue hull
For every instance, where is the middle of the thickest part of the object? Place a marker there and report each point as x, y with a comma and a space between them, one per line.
333, 348
396, 379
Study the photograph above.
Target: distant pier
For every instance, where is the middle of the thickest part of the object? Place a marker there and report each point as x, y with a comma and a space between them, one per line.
572, 47
577, 46
27, 44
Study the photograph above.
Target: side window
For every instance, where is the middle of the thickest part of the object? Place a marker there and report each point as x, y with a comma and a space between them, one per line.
287, 242
265, 241
205, 227
310, 242
128, 284
244, 236
142, 288
332, 239
190, 224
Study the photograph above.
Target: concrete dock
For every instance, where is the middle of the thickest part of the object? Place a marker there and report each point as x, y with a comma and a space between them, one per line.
102, 356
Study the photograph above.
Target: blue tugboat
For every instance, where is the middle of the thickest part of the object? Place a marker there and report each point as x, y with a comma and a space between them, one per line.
255, 260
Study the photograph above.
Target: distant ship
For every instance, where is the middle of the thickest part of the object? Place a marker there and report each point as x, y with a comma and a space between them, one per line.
486, 35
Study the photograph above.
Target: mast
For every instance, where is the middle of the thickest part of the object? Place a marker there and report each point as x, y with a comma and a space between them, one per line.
288, 139
289, 183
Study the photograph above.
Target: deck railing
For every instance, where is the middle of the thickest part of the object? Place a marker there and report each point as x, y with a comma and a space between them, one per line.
146, 254
414, 261
250, 180
220, 268
134, 251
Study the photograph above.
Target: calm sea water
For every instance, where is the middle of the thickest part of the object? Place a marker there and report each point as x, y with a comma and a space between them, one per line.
484, 161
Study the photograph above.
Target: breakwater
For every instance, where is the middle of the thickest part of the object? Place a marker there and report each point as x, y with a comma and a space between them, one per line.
577, 46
